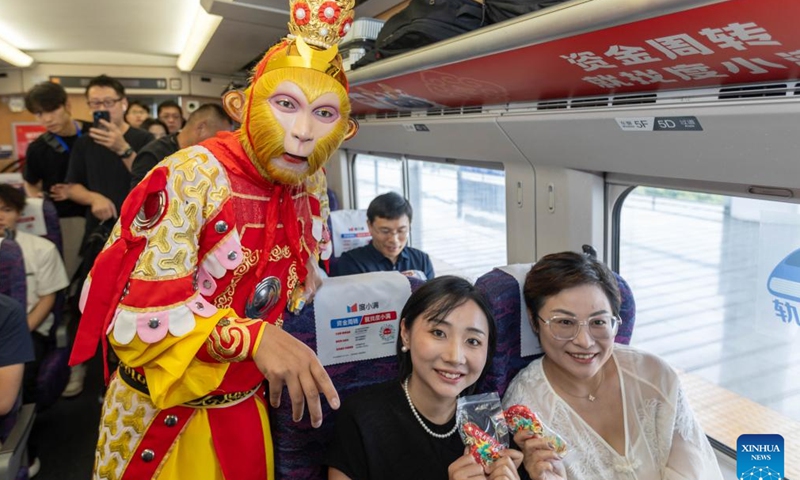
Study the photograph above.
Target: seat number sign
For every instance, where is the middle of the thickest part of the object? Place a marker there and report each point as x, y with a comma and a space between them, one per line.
659, 124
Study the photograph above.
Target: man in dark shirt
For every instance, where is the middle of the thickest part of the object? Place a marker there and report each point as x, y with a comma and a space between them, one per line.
100, 165
15, 350
171, 114
203, 123
389, 220
47, 159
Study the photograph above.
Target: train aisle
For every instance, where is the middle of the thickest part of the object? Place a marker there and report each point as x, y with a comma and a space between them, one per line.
67, 432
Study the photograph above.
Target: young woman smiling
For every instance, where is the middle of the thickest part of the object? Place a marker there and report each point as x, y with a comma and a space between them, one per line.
406, 428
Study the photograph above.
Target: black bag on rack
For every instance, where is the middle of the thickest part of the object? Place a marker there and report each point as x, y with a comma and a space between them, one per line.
499, 10
421, 23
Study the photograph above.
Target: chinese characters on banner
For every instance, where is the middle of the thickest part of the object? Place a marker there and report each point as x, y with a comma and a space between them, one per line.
724, 43
672, 58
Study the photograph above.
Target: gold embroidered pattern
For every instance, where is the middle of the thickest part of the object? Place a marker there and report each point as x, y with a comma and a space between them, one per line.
292, 280
196, 185
279, 253
231, 342
126, 416
249, 259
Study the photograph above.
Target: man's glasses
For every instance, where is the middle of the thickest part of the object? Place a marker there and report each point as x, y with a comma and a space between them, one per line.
601, 327
386, 232
108, 103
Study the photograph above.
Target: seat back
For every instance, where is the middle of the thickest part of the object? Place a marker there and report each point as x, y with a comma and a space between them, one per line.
299, 448
52, 224
13, 452
504, 293
54, 367
12, 271
333, 201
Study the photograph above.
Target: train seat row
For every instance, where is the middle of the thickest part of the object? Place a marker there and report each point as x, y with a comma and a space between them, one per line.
300, 448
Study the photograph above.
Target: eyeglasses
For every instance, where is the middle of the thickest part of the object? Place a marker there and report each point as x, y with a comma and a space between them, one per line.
386, 232
601, 327
108, 103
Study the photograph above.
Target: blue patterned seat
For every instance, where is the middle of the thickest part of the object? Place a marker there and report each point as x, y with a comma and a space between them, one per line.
503, 293
52, 224
12, 271
54, 369
299, 448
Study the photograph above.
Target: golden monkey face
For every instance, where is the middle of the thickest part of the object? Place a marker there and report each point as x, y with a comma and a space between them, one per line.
296, 119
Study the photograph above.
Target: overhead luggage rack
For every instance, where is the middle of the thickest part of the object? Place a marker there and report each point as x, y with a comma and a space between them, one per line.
620, 49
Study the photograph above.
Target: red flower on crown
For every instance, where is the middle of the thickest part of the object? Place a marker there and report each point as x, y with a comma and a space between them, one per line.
329, 12
301, 14
346, 25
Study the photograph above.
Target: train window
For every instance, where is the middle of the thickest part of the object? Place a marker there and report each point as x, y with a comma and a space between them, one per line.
375, 175
459, 217
701, 267
459, 210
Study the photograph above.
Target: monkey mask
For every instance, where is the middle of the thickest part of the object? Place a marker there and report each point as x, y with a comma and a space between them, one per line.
295, 113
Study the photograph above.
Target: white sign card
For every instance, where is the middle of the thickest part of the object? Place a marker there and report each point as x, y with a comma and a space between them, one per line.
31, 219
358, 316
349, 230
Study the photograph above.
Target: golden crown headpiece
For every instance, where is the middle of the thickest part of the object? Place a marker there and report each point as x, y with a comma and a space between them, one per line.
315, 29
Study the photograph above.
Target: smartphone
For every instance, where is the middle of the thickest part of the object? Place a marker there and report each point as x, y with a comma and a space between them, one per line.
100, 114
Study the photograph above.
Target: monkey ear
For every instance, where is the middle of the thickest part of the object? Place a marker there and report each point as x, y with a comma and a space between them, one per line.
352, 128
233, 103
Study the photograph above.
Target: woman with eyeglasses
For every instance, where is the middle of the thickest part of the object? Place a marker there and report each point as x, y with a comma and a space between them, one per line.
621, 410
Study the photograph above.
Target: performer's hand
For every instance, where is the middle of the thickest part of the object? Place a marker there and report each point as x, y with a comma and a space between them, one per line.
313, 279
285, 360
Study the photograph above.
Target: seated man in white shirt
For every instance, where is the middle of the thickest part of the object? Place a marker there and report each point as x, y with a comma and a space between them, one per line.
45, 277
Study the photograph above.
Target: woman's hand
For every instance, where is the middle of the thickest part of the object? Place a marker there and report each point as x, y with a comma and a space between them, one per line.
465, 467
540, 459
505, 468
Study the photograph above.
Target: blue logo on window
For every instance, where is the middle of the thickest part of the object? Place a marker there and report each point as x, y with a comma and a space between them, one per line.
759, 457
784, 281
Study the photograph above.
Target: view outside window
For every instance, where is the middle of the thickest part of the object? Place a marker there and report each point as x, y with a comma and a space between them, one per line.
459, 211
376, 175
717, 289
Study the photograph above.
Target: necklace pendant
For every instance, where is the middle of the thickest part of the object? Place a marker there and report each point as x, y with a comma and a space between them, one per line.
591, 397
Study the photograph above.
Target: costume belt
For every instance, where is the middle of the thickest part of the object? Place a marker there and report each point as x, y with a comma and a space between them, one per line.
137, 381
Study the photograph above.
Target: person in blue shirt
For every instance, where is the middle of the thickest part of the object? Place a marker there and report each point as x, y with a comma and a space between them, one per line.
389, 221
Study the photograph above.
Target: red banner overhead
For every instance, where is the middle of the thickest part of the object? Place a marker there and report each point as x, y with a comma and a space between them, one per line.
734, 42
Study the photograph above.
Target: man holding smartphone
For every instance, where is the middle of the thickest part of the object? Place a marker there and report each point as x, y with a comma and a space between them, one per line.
100, 165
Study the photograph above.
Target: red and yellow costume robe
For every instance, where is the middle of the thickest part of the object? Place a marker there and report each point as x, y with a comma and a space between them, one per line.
169, 291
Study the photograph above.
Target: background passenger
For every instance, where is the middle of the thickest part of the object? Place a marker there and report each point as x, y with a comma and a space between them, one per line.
44, 270
406, 428
99, 168
136, 113
619, 408
203, 123
389, 221
156, 127
44, 277
47, 160
15, 351
171, 114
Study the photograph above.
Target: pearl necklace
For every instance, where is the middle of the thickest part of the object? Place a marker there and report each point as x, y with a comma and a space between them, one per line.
419, 419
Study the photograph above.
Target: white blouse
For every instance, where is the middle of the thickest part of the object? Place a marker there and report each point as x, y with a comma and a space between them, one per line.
663, 441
